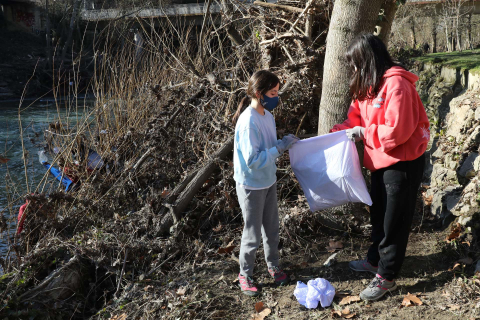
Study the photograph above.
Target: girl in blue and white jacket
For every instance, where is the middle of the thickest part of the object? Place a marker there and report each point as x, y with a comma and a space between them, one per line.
255, 151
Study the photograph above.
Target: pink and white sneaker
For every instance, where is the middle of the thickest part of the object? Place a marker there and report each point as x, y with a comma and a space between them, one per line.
278, 275
247, 285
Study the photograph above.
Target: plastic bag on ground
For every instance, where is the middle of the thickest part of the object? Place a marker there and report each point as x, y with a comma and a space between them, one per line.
328, 170
315, 291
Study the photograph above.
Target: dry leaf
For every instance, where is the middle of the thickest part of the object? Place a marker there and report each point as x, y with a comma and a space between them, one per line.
345, 313
228, 249
411, 300
119, 317
342, 294
261, 315
334, 245
456, 266
349, 299
181, 291
3, 160
164, 194
454, 307
455, 233
466, 261
466, 242
259, 306
148, 288
427, 200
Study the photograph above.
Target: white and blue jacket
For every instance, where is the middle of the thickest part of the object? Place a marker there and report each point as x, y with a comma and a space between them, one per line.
255, 151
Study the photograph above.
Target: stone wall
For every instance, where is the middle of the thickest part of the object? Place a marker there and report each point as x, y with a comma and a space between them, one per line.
452, 101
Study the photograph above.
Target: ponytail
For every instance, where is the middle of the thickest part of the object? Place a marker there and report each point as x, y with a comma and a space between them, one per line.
261, 81
240, 109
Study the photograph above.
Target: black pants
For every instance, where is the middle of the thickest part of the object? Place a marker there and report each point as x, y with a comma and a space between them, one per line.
394, 194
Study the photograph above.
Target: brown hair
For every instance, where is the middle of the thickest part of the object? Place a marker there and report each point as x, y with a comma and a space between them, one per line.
261, 81
370, 56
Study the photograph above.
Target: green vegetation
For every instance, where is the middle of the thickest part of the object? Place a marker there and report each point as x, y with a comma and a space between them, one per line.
465, 60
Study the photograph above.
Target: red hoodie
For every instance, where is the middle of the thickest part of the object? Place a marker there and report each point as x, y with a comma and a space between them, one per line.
396, 124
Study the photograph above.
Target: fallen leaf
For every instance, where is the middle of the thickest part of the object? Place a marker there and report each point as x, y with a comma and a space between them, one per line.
259, 306
218, 228
3, 160
148, 288
345, 313
454, 307
456, 266
466, 242
411, 300
164, 194
466, 261
228, 249
349, 299
261, 315
427, 200
455, 233
334, 245
181, 291
119, 317
342, 294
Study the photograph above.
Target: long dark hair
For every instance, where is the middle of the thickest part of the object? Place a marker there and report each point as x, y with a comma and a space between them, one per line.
370, 56
261, 81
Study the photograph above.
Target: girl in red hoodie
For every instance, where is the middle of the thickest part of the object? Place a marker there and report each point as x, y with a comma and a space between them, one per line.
388, 116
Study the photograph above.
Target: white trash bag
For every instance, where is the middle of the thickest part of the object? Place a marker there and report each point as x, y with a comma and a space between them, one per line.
328, 170
315, 291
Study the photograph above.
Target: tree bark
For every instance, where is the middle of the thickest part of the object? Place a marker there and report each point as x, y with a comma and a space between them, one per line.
68, 43
349, 18
384, 27
48, 36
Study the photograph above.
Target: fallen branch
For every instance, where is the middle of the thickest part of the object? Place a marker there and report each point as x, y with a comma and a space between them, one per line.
278, 6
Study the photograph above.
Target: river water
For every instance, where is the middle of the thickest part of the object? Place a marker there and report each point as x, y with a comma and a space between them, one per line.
34, 119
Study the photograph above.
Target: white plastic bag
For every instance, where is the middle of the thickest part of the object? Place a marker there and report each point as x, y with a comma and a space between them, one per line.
328, 170
315, 291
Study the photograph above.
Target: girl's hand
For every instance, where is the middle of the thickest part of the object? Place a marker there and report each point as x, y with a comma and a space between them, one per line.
356, 133
286, 143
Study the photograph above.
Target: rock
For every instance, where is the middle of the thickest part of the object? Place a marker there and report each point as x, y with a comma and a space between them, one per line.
476, 164
467, 170
449, 162
444, 200
438, 153
464, 220
469, 203
459, 118
477, 114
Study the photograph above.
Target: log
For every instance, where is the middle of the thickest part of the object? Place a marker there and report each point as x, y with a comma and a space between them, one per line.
278, 6
183, 193
200, 178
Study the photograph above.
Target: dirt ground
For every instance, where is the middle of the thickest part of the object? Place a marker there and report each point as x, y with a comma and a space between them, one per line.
210, 287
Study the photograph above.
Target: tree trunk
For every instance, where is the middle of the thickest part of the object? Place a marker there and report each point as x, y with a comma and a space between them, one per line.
48, 36
68, 43
469, 31
434, 33
384, 27
349, 18
414, 34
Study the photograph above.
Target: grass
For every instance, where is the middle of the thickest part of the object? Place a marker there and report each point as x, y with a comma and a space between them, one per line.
465, 60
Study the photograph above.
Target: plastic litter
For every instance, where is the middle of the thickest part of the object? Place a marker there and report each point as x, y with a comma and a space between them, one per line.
315, 291
328, 170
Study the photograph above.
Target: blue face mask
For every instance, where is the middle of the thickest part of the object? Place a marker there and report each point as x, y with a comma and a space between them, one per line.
269, 103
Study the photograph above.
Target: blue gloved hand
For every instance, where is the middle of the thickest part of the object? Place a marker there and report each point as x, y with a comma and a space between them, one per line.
287, 142
356, 133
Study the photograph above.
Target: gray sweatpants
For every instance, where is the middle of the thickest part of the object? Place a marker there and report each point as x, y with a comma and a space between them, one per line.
260, 216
